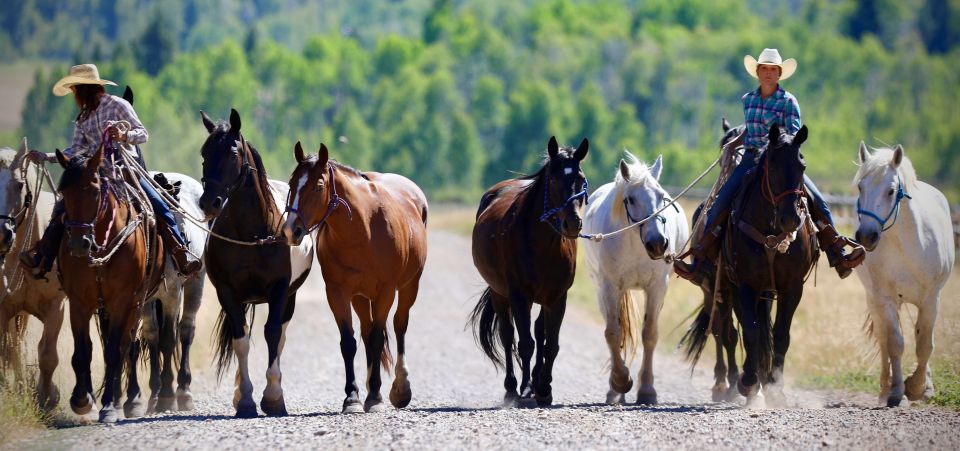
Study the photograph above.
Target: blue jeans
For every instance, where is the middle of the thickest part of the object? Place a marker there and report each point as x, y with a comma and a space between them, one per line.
161, 209
722, 203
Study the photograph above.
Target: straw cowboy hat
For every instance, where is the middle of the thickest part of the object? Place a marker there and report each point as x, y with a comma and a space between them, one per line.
83, 74
770, 57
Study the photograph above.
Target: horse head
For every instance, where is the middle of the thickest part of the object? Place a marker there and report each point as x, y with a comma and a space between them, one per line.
225, 163
565, 187
782, 175
642, 197
311, 184
84, 193
882, 183
14, 202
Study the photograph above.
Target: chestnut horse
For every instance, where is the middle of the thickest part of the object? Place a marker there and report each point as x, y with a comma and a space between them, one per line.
111, 259
371, 246
525, 248
246, 262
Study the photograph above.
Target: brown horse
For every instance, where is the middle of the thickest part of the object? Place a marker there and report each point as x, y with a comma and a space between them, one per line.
525, 247
26, 210
109, 263
371, 246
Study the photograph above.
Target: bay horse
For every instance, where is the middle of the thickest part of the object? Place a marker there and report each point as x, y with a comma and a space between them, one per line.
716, 314
371, 245
768, 250
633, 260
110, 261
525, 248
26, 210
905, 227
248, 263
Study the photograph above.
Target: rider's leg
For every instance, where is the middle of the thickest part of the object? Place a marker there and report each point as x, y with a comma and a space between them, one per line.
40, 259
705, 252
830, 240
186, 263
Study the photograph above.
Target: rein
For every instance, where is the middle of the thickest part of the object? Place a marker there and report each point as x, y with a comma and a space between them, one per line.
551, 212
335, 201
29, 210
894, 210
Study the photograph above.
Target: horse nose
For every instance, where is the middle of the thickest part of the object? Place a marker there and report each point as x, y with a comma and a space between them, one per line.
656, 247
298, 233
217, 203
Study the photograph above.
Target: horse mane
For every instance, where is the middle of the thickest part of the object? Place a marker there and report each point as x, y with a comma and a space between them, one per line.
638, 170
879, 160
7, 157
73, 172
537, 177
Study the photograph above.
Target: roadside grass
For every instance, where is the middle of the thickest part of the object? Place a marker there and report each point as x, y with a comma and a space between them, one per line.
19, 416
829, 348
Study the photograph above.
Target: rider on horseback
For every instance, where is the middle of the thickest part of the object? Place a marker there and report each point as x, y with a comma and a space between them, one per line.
767, 105
99, 112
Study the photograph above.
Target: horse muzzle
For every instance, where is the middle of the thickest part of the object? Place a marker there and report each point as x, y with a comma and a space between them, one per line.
80, 246
656, 247
867, 239
8, 236
210, 205
293, 231
571, 225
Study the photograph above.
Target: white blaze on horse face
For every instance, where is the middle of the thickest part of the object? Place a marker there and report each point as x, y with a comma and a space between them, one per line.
295, 207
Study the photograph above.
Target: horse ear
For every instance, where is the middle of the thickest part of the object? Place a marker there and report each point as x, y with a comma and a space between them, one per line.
207, 122
298, 152
582, 150
324, 155
774, 136
62, 159
657, 167
624, 170
801, 135
94, 162
128, 95
725, 125
863, 153
234, 120
552, 147
897, 156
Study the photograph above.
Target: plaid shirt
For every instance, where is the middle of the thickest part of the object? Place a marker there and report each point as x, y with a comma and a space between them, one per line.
780, 108
89, 132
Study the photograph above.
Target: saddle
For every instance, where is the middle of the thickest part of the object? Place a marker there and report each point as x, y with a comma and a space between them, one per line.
172, 188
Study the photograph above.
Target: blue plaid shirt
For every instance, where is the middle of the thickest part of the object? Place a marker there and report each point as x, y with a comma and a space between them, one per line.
759, 114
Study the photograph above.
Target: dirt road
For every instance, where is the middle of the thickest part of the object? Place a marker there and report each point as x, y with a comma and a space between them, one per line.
456, 394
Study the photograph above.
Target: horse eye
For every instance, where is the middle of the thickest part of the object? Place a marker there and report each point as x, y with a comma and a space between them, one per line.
891, 192
629, 201
319, 186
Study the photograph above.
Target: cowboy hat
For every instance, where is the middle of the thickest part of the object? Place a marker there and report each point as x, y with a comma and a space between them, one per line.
83, 74
770, 57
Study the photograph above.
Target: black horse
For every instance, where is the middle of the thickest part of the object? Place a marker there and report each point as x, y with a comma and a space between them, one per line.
246, 207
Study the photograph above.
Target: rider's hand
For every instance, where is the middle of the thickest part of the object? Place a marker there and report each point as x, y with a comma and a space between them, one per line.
115, 134
36, 157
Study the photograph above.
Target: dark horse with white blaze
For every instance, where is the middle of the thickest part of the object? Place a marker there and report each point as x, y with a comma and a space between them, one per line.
247, 208
525, 247
768, 252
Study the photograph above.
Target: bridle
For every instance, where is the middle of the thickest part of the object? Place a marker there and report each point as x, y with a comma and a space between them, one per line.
106, 188
551, 212
335, 201
894, 210
245, 170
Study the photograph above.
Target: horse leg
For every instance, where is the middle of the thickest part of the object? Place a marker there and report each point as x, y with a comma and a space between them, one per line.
237, 321
48, 396
502, 309
134, 407
647, 394
620, 380
920, 384
525, 345
730, 339
192, 296
748, 311
400, 393
275, 332
113, 357
719, 391
81, 399
553, 318
150, 334
786, 307
539, 340
893, 340
168, 342
348, 349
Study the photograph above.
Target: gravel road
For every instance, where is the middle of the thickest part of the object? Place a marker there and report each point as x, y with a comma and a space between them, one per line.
456, 394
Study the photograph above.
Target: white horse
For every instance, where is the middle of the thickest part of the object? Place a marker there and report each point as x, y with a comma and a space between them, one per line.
905, 225
632, 260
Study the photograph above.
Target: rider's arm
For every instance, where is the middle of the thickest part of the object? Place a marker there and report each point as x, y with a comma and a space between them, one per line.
137, 133
791, 115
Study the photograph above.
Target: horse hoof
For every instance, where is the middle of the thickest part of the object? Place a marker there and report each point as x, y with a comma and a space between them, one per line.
719, 393
755, 401
246, 410
352, 406
49, 401
164, 404
544, 400
615, 398
510, 399
108, 415
273, 407
622, 387
134, 408
732, 395
775, 398
185, 402
373, 404
152, 405
526, 402
747, 390
894, 401
916, 391
400, 396
648, 398
82, 406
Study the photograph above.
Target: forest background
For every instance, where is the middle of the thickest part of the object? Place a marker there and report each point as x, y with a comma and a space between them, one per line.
459, 94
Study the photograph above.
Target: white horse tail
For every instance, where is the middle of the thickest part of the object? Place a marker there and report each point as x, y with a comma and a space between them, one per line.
628, 318
11, 341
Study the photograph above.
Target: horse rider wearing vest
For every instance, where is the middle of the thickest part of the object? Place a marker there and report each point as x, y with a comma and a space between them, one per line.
767, 105
98, 110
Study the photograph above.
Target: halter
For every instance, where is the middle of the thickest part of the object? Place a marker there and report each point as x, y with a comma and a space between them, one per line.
656, 216
768, 189
245, 169
550, 212
894, 211
105, 189
335, 201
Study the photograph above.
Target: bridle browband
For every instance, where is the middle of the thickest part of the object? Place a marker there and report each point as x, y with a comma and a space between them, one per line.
335, 201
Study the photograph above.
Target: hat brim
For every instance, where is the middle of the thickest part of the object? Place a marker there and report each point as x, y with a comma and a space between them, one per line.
787, 68
62, 87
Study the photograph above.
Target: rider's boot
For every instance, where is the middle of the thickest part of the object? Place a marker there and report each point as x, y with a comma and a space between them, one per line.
705, 253
833, 243
187, 264
39, 260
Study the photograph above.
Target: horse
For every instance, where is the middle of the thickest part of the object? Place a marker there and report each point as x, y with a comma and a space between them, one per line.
716, 314
110, 261
768, 250
247, 261
905, 227
633, 260
171, 315
525, 248
26, 211
371, 245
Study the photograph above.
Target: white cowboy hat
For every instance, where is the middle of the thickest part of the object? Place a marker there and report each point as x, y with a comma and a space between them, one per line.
770, 57
83, 74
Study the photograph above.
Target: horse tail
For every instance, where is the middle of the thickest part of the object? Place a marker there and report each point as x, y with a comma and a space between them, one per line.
486, 324
224, 340
386, 357
695, 339
628, 314
11, 340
